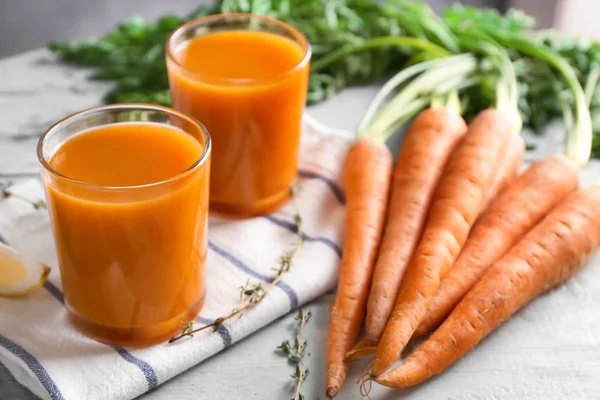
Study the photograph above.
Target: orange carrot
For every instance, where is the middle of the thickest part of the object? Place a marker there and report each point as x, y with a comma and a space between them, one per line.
549, 254
518, 209
458, 200
509, 170
367, 174
426, 148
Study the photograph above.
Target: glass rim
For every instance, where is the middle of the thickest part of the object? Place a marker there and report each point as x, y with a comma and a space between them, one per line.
123, 107
307, 48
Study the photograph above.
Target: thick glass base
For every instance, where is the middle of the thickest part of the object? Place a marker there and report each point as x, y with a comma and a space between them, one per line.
241, 210
138, 336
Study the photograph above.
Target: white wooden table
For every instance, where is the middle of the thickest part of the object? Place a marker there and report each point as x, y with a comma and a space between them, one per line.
549, 351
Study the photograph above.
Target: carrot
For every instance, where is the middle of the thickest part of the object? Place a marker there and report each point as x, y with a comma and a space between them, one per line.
518, 209
367, 183
367, 174
427, 146
458, 200
549, 254
508, 172
509, 169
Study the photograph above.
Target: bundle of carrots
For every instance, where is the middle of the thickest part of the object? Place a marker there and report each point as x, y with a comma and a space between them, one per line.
452, 237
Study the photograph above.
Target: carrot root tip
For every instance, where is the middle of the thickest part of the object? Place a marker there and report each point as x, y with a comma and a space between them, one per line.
331, 392
366, 385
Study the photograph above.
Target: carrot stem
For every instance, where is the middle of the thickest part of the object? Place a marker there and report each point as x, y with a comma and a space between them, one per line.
436, 73
385, 41
408, 113
579, 139
391, 85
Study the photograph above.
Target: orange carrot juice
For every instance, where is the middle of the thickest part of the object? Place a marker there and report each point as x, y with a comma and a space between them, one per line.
245, 77
129, 203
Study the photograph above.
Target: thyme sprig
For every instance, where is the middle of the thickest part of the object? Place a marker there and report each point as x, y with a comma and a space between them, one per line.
253, 293
5, 193
295, 352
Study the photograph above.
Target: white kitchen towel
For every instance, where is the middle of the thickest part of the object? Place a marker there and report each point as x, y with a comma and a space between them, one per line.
54, 361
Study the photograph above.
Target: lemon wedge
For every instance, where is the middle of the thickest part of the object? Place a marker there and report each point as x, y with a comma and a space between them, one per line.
18, 274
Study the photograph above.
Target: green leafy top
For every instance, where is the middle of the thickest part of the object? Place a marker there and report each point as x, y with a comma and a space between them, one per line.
358, 41
514, 20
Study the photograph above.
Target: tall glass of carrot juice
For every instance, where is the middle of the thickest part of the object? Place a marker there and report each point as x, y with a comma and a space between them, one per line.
245, 77
127, 190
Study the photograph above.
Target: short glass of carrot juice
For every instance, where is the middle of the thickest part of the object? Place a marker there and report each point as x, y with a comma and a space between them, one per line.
246, 78
127, 192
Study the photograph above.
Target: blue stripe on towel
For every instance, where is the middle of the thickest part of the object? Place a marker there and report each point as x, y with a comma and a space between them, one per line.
143, 366
54, 291
151, 376
292, 228
337, 191
2, 240
222, 331
240, 265
146, 368
34, 365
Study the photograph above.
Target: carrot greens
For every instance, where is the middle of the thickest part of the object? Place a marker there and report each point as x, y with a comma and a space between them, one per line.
358, 41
